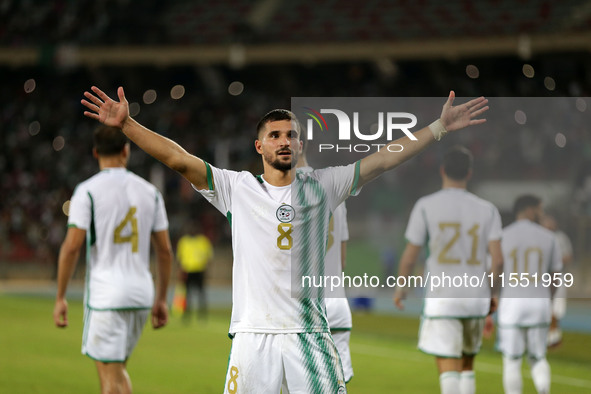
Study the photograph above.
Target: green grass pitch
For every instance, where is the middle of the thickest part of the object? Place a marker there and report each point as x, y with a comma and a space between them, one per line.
36, 357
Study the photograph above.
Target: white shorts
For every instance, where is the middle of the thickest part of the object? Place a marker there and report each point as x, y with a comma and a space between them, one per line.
338, 313
515, 341
111, 336
292, 363
341, 339
451, 338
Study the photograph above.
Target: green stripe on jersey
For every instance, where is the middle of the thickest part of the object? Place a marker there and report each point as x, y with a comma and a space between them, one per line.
312, 247
123, 308
209, 175
92, 228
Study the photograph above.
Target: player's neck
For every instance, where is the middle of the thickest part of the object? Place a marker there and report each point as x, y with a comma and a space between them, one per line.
276, 177
452, 183
525, 216
111, 162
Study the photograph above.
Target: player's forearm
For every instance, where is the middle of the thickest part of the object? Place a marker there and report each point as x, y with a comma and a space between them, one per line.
408, 260
384, 160
164, 271
68, 258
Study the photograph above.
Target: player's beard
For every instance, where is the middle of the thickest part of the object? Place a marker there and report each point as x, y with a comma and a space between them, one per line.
281, 165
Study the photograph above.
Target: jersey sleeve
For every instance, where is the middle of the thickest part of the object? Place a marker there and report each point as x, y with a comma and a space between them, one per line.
344, 227
80, 214
496, 230
339, 182
416, 231
160, 218
219, 191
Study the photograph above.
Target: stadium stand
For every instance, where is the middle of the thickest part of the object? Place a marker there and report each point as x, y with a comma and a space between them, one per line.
44, 138
187, 22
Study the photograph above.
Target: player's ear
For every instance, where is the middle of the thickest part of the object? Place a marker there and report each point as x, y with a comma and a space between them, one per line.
126, 150
94, 153
258, 145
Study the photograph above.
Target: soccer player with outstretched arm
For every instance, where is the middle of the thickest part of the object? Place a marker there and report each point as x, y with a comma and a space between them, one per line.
279, 341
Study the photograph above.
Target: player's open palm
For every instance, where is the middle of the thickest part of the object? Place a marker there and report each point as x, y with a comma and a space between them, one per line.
464, 115
106, 110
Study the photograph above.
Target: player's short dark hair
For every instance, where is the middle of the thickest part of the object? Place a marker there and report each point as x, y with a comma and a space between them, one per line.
524, 202
275, 115
108, 141
457, 162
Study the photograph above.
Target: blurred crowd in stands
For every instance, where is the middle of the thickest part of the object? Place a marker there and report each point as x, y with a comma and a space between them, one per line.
189, 22
45, 141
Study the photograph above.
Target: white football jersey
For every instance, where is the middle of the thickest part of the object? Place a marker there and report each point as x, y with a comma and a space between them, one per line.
279, 234
119, 211
531, 250
457, 227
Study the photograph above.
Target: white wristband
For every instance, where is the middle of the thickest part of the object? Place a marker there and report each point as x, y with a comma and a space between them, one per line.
437, 129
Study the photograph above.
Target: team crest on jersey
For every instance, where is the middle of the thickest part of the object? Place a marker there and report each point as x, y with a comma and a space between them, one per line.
285, 213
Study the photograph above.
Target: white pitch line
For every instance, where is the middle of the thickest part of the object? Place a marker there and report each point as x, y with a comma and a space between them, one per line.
370, 350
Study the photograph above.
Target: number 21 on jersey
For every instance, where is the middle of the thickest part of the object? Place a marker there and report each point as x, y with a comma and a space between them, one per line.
444, 256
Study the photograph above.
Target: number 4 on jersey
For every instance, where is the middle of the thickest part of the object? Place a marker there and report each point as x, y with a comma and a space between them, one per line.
133, 237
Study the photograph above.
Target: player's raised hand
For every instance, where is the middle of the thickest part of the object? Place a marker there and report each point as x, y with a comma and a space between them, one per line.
60, 313
106, 110
463, 115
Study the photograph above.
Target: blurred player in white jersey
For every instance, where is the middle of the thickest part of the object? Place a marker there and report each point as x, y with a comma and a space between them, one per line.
524, 311
459, 228
338, 310
559, 300
279, 226
119, 214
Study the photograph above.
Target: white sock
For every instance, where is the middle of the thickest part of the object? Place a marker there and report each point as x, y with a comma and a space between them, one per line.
540, 373
467, 382
512, 382
449, 382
